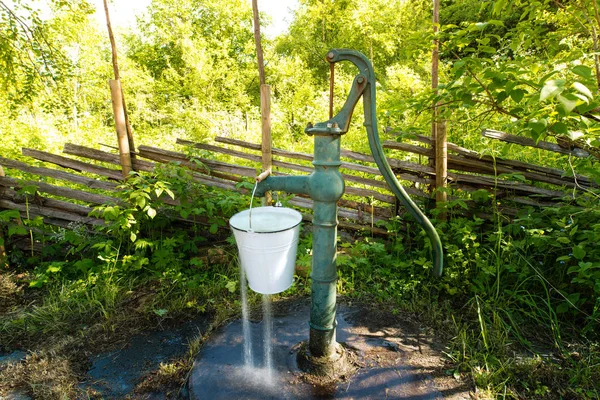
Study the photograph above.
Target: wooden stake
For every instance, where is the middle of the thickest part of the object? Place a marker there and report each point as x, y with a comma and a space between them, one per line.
259, 52
441, 162
119, 114
438, 127
265, 101
3, 260
266, 144
115, 64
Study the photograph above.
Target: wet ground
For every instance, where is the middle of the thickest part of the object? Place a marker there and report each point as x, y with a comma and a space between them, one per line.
396, 362
115, 374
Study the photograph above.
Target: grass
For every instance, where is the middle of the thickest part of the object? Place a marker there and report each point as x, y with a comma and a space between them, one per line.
495, 308
69, 321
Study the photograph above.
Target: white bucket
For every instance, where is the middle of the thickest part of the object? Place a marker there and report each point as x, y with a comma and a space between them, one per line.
267, 248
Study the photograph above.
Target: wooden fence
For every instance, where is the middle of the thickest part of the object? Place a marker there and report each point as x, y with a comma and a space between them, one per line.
367, 199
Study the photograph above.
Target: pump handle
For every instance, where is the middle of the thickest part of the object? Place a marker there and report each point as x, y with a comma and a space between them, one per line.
364, 84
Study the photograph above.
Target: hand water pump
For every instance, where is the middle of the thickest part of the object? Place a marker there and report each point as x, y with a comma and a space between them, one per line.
325, 186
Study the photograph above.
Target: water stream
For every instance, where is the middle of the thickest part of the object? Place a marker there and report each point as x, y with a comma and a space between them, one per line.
267, 336
247, 344
247, 348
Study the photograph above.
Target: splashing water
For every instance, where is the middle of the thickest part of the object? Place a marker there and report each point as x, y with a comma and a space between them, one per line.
267, 371
267, 336
247, 344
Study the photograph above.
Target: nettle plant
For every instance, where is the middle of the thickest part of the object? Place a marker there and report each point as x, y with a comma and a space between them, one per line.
154, 231
163, 219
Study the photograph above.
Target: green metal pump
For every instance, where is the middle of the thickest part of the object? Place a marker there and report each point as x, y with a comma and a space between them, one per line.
326, 186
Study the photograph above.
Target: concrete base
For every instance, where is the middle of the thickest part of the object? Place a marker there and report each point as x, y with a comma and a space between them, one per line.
384, 370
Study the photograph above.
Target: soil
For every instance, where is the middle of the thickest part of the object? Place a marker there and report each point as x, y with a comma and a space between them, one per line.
150, 359
396, 359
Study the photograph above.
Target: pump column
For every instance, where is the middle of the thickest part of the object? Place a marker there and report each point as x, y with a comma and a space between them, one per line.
327, 187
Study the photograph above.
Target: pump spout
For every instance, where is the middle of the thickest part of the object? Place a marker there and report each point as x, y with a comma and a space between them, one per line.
364, 84
289, 184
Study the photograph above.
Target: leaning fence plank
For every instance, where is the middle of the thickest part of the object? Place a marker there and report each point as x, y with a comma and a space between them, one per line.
523, 141
99, 155
490, 166
491, 183
39, 210
283, 164
60, 191
56, 174
14, 196
558, 173
72, 164
282, 153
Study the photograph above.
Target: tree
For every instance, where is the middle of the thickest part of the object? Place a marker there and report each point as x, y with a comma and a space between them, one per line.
200, 57
30, 57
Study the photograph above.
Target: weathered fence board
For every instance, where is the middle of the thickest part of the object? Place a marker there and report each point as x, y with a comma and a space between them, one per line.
56, 174
72, 164
523, 141
59, 191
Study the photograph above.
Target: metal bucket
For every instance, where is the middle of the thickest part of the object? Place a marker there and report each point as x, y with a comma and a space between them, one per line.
267, 241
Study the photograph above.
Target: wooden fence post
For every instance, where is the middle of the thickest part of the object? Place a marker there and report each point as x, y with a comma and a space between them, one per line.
266, 143
3, 260
119, 114
265, 101
115, 64
441, 162
438, 127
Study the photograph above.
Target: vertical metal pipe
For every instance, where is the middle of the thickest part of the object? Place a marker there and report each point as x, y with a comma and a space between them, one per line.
327, 186
324, 278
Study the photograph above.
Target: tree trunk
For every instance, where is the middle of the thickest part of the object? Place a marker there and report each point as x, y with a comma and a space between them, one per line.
118, 112
115, 64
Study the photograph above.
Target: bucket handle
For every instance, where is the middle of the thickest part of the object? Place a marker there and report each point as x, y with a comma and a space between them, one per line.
257, 180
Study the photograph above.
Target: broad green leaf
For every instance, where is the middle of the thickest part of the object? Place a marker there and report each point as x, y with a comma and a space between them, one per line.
54, 268
559, 127
552, 88
581, 88
498, 7
480, 196
517, 95
16, 230
535, 68
567, 102
538, 126
574, 135
487, 49
562, 308
578, 252
583, 71
7, 215
151, 212
495, 22
133, 237
584, 99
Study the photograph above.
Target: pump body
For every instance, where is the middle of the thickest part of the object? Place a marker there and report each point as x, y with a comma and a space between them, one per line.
325, 186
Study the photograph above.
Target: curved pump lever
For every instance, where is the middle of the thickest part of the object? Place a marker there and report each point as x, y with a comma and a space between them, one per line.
364, 85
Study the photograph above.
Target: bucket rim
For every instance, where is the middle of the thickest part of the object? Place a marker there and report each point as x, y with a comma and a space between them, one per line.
299, 214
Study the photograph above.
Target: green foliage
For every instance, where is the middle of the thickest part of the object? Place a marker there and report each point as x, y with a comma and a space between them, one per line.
188, 70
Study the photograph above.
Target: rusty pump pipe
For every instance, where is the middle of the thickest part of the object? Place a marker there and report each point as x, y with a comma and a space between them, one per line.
326, 186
